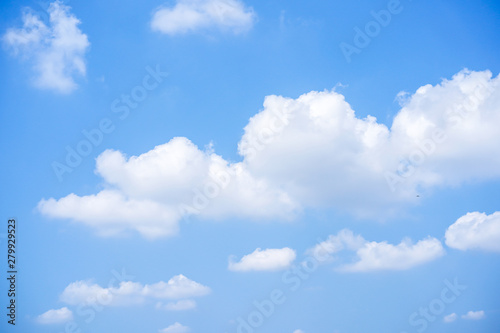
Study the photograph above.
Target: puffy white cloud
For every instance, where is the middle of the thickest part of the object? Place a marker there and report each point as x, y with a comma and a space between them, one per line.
345, 239
182, 305
177, 287
194, 15
129, 293
264, 260
314, 148
383, 256
152, 192
475, 231
58, 316
110, 212
57, 49
81, 292
317, 150
474, 315
450, 318
301, 153
372, 256
175, 328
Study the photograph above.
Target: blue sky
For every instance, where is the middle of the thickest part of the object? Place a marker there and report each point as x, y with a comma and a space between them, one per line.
238, 166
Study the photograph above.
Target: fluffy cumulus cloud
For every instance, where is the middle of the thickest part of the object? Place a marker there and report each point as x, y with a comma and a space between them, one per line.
374, 256
450, 318
264, 260
474, 315
175, 328
110, 212
129, 293
317, 150
308, 152
383, 256
194, 15
152, 192
57, 48
344, 239
55, 316
475, 231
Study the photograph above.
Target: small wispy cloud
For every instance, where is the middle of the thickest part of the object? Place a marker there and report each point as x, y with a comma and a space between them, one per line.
182, 305
57, 49
190, 16
55, 316
175, 328
450, 318
264, 260
474, 315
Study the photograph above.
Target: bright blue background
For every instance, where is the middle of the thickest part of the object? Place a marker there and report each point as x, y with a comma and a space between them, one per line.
216, 83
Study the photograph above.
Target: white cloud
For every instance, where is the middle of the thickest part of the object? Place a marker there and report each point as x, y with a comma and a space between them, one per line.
110, 212
57, 49
383, 256
345, 239
450, 318
175, 328
326, 156
129, 293
475, 231
372, 256
298, 331
152, 192
80, 292
177, 287
194, 15
474, 315
301, 153
182, 305
55, 316
264, 260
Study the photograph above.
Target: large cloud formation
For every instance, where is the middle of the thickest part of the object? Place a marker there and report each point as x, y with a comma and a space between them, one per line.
150, 193
326, 156
301, 153
57, 49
